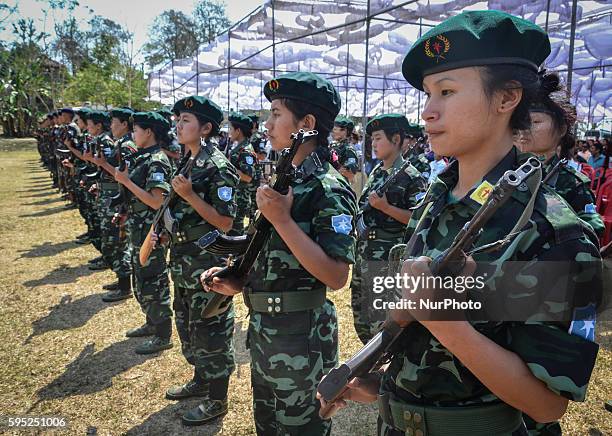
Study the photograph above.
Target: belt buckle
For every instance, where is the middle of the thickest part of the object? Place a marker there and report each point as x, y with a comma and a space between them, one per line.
274, 304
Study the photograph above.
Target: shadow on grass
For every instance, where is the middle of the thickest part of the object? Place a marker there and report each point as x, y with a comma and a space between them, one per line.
46, 212
60, 275
93, 371
167, 421
42, 188
47, 249
44, 202
69, 314
42, 194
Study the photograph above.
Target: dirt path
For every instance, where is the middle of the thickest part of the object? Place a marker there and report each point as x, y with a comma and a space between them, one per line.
63, 352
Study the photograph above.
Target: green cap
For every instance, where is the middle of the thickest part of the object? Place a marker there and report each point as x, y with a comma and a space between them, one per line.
476, 38
150, 120
254, 118
83, 113
344, 122
306, 87
389, 122
122, 114
98, 116
200, 106
414, 130
239, 119
166, 113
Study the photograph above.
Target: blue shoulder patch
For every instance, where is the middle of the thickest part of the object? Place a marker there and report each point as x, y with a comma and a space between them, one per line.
583, 322
589, 208
225, 193
249, 160
157, 177
342, 223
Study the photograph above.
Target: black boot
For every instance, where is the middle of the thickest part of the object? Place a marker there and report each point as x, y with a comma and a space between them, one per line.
123, 292
111, 286
196, 387
161, 341
213, 407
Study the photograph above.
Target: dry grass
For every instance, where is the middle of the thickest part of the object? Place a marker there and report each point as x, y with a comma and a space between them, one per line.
64, 351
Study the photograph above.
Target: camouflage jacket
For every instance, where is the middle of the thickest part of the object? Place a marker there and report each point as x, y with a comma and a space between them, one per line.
347, 155
243, 157
126, 147
149, 168
324, 207
421, 163
575, 188
214, 180
553, 248
402, 194
103, 143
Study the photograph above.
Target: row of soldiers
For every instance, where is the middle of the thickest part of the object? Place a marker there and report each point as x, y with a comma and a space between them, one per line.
438, 382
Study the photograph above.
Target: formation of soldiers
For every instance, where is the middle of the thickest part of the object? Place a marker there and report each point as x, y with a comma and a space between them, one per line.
120, 167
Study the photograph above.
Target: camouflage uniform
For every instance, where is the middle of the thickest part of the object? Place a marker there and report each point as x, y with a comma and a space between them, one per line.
423, 373
383, 233
115, 250
243, 157
575, 188
291, 350
207, 344
149, 169
347, 155
421, 163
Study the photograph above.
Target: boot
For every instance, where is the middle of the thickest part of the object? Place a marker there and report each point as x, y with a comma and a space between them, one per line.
83, 241
95, 260
83, 235
111, 286
139, 332
123, 292
205, 412
161, 341
98, 266
196, 387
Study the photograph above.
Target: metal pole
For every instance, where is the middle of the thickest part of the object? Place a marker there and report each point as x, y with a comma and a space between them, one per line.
261, 92
547, 14
173, 87
383, 94
570, 62
405, 103
197, 71
591, 95
364, 120
419, 94
347, 79
159, 83
229, 65
273, 41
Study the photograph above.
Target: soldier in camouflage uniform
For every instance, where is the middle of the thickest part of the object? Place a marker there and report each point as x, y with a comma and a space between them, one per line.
348, 161
114, 241
385, 217
413, 150
147, 179
471, 377
170, 146
207, 202
244, 159
552, 123
293, 328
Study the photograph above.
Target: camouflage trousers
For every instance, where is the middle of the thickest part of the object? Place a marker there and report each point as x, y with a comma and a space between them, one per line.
290, 354
115, 250
207, 344
93, 221
370, 253
151, 285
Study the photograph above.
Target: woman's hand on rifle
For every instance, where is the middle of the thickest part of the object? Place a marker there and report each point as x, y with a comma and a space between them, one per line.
122, 176
182, 186
360, 390
225, 286
275, 206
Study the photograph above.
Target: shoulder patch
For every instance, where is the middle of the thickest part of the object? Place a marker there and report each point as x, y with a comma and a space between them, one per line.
351, 160
157, 177
481, 193
589, 208
342, 223
583, 322
249, 160
225, 193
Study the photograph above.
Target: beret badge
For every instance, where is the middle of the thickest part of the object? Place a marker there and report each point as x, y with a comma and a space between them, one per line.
273, 85
189, 103
438, 48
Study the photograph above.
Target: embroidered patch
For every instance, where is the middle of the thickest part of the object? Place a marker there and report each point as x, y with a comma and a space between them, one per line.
481, 193
200, 163
225, 193
249, 160
342, 224
583, 322
589, 208
438, 49
157, 177
351, 160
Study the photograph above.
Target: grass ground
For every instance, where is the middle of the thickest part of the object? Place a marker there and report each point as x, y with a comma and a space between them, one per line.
63, 352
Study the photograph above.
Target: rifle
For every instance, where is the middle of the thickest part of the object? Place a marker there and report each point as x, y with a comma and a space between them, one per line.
249, 246
362, 228
554, 170
164, 210
380, 349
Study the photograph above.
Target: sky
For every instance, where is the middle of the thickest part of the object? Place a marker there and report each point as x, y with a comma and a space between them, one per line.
137, 15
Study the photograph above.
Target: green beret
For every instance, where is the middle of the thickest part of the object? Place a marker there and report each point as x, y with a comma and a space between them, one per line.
67, 110
388, 122
98, 117
344, 122
200, 106
83, 113
150, 120
254, 118
476, 38
166, 113
414, 130
306, 87
121, 114
238, 118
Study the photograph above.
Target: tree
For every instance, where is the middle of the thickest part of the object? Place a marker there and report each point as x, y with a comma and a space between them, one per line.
175, 35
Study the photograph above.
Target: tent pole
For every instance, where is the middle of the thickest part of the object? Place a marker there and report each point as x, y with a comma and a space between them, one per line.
173, 87
364, 119
348, 48
197, 71
229, 66
570, 62
273, 41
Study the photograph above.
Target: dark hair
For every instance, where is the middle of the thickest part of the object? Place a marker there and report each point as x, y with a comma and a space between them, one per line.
324, 120
389, 133
246, 131
202, 121
500, 77
552, 99
162, 136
